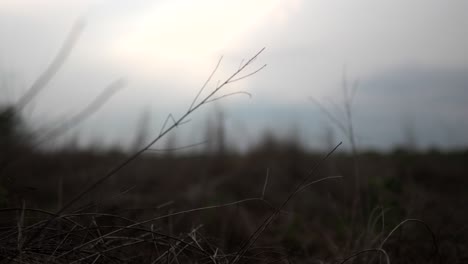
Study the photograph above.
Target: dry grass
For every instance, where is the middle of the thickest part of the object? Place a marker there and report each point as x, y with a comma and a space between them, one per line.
141, 225
87, 207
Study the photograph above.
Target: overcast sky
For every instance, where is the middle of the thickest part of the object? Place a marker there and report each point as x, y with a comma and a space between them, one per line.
409, 57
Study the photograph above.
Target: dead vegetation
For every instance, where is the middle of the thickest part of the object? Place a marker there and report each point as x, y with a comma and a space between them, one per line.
278, 203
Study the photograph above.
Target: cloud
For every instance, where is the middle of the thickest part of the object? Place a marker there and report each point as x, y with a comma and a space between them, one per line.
166, 49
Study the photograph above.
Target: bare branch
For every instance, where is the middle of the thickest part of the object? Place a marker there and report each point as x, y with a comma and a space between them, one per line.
135, 155
205, 84
169, 117
248, 75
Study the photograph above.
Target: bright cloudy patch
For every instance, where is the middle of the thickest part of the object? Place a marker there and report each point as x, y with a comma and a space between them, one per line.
191, 34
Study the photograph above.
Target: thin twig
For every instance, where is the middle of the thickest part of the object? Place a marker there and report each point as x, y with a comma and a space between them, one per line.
249, 74
179, 148
206, 83
169, 117
230, 94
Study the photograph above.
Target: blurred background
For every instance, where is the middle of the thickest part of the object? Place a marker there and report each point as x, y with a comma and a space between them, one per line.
409, 61
84, 84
